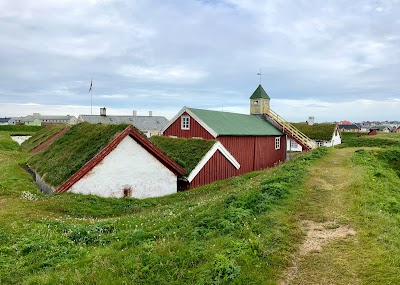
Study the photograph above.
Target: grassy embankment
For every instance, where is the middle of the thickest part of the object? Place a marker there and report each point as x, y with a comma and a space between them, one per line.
41, 136
240, 230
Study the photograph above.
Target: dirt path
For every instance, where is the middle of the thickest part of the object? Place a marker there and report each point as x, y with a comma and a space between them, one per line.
323, 256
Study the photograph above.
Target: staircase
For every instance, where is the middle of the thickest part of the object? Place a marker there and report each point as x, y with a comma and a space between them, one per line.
289, 130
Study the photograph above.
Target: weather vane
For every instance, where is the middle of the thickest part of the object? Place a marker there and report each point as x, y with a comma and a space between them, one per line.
260, 74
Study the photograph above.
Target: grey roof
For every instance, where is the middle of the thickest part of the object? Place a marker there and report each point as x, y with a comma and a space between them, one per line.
4, 120
348, 127
28, 118
143, 123
56, 117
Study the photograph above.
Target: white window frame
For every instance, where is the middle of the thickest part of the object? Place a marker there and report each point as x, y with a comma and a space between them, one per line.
293, 144
185, 122
277, 143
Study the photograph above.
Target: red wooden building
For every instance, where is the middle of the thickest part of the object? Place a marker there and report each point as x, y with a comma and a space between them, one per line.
254, 142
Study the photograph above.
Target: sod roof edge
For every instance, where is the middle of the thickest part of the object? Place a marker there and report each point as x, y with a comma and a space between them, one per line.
322, 131
186, 152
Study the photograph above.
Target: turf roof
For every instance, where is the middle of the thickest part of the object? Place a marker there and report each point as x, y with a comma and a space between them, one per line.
186, 152
322, 131
42, 136
71, 151
233, 124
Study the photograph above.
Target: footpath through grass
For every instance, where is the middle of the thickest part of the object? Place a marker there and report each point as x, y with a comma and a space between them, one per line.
352, 202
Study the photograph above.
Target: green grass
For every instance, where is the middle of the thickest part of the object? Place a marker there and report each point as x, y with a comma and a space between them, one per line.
240, 230
237, 231
186, 152
20, 129
322, 131
41, 136
361, 190
72, 150
350, 139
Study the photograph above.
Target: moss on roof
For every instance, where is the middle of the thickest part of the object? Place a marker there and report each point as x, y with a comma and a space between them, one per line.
186, 152
234, 124
42, 136
322, 131
71, 151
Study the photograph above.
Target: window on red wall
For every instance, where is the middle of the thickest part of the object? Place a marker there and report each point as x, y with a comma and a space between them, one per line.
185, 123
277, 142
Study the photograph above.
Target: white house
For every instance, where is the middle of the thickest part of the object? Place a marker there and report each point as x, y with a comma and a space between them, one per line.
324, 134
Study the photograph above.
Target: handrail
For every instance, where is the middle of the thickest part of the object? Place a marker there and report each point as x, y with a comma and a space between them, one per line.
292, 130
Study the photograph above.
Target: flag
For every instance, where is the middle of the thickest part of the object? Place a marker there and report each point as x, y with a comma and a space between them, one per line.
90, 85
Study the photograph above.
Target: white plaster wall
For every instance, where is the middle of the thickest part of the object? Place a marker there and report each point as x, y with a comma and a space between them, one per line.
128, 165
20, 139
336, 139
289, 148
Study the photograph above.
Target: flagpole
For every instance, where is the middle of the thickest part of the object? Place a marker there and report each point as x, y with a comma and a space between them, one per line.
91, 97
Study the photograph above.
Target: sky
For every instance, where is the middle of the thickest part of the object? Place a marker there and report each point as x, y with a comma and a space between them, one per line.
334, 60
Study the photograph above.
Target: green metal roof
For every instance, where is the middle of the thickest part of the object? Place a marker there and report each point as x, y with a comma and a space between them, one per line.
233, 124
259, 93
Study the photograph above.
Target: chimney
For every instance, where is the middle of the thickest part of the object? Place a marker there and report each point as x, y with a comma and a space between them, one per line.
134, 113
311, 121
150, 113
103, 111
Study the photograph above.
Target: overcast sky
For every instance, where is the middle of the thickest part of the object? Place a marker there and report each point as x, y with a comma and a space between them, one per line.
334, 60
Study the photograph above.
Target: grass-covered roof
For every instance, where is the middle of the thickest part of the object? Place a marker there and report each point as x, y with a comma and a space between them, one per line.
42, 136
71, 151
322, 131
186, 152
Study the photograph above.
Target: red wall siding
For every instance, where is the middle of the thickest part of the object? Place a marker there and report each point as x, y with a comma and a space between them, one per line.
242, 149
196, 130
254, 153
217, 168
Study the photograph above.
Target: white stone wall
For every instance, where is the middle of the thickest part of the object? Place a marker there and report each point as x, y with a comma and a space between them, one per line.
292, 145
128, 166
336, 139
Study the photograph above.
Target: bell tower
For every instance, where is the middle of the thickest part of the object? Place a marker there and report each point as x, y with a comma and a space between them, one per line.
259, 101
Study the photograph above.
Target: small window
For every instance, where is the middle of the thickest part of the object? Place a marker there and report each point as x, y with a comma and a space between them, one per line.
293, 144
127, 192
278, 143
255, 102
320, 143
185, 122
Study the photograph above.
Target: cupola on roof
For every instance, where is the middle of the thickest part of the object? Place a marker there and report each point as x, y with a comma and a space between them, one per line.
259, 93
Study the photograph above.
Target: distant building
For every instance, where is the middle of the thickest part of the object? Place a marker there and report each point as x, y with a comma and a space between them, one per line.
4, 121
38, 120
349, 128
150, 125
323, 134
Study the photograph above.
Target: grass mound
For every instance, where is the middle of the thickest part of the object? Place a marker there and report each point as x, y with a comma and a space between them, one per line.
384, 140
186, 152
71, 151
20, 130
41, 136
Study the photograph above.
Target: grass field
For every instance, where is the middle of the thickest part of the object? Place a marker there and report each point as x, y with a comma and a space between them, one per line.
248, 229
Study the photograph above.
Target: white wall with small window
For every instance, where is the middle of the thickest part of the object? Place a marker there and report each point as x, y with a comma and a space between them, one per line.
185, 123
292, 145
